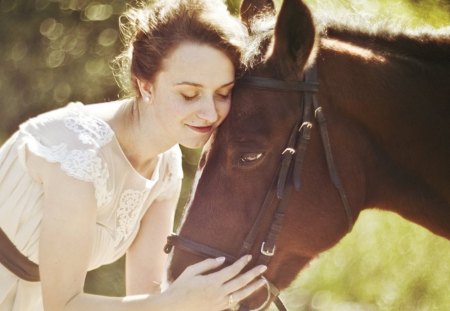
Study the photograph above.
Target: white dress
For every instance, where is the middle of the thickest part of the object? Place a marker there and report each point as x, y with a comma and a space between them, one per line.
86, 149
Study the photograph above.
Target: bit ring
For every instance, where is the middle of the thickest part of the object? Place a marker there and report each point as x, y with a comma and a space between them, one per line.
230, 300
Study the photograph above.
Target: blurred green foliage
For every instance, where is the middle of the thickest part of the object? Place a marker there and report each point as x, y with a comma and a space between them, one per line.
398, 13
56, 51
53, 52
384, 264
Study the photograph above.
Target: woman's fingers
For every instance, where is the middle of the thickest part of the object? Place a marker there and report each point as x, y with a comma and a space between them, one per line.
204, 266
222, 289
243, 293
232, 270
244, 279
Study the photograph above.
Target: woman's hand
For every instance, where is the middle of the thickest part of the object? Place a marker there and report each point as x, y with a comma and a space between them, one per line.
211, 292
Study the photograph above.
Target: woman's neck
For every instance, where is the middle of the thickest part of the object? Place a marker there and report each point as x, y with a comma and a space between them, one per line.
138, 136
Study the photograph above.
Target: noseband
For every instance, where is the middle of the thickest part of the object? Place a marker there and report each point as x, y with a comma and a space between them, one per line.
294, 152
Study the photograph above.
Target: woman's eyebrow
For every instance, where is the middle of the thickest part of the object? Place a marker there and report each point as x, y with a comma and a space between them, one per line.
189, 83
200, 85
227, 84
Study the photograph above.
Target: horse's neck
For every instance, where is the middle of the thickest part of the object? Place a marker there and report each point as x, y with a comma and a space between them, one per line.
403, 107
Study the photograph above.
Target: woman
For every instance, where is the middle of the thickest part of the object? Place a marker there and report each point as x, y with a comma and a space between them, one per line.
82, 185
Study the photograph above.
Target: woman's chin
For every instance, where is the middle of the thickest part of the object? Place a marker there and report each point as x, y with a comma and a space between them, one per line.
195, 144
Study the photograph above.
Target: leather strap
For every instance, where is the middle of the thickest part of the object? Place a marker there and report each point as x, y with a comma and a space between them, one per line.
13, 260
196, 248
279, 85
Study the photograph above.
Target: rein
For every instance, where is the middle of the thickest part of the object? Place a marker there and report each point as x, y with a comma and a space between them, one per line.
295, 151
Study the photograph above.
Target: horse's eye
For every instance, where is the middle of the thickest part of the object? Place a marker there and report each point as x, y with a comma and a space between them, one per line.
250, 157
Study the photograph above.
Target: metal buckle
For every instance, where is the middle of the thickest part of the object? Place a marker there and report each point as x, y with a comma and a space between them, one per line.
267, 252
290, 150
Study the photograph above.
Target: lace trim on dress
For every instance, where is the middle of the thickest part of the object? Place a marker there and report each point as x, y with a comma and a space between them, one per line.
90, 130
127, 214
86, 164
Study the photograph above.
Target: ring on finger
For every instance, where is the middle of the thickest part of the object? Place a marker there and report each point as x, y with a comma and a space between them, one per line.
230, 300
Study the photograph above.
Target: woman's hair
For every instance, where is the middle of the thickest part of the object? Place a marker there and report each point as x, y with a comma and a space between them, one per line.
153, 30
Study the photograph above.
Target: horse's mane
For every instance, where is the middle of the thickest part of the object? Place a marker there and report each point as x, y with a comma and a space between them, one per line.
423, 44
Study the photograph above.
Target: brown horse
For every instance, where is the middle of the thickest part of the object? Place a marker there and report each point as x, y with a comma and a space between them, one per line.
386, 100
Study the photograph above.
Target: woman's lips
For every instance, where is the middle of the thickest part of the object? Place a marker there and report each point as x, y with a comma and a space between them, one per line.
201, 129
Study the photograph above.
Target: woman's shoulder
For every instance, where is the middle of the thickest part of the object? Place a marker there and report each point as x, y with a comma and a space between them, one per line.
74, 141
71, 124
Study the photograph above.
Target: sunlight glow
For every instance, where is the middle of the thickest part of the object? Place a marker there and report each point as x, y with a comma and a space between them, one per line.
354, 50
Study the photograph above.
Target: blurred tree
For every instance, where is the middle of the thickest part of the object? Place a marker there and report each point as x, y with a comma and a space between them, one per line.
53, 52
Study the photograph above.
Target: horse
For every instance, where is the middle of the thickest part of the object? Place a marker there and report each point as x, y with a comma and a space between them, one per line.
324, 124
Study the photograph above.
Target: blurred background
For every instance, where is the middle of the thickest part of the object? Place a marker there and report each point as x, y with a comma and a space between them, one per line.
56, 51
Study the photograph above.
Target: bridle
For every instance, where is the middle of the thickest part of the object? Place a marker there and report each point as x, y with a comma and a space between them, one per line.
292, 159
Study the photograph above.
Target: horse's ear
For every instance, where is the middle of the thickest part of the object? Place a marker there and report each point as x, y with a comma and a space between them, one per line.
293, 39
252, 8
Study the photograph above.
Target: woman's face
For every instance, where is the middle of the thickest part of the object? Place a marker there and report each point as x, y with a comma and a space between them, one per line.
191, 94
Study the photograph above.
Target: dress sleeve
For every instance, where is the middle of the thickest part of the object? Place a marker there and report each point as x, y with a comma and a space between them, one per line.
74, 141
173, 174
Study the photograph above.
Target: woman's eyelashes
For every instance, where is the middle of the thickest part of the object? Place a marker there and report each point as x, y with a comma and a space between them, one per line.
192, 97
225, 92
224, 96
189, 97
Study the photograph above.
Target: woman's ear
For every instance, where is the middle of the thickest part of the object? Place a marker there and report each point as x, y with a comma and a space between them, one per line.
144, 90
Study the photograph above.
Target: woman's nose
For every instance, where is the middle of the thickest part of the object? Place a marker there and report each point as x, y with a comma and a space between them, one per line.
208, 110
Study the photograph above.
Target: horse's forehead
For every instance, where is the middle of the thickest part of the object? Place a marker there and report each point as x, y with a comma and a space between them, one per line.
266, 103
251, 100
252, 111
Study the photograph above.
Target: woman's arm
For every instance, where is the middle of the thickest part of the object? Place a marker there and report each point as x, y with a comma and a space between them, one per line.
145, 262
66, 241
67, 232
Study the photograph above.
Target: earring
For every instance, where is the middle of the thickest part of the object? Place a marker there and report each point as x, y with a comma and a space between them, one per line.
144, 93
146, 98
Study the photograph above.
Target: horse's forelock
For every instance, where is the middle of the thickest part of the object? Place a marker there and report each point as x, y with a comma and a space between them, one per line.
261, 29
